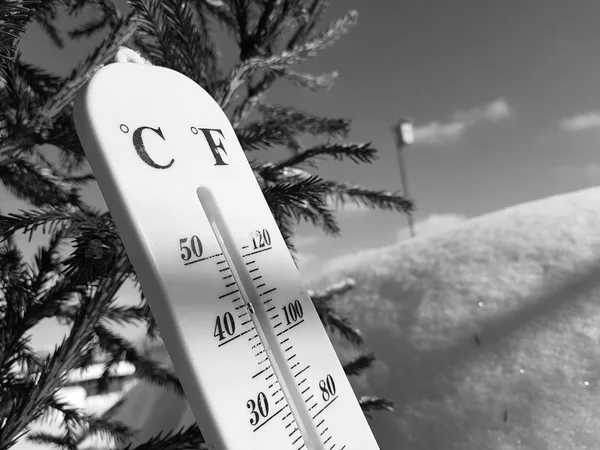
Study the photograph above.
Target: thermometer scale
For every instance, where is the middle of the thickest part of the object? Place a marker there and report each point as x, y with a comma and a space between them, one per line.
247, 344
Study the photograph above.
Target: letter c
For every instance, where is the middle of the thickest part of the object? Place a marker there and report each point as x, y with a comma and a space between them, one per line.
140, 148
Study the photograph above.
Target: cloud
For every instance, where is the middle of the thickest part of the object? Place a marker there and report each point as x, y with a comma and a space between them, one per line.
436, 133
581, 122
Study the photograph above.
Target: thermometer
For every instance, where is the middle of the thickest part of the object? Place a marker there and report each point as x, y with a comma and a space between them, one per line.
247, 344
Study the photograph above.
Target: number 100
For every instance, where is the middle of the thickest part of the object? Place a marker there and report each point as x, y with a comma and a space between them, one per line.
293, 312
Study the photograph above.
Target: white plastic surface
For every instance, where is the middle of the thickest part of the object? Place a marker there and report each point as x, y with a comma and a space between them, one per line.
153, 180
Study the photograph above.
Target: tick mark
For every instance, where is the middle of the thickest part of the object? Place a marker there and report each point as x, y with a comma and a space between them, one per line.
289, 328
261, 372
324, 407
306, 368
235, 337
204, 259
267, 420
257, 251
267, 292
229, 293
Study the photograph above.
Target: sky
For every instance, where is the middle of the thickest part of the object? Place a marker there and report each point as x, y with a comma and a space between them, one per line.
504, 96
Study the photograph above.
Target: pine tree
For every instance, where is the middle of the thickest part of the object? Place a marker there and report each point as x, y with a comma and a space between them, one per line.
78, 288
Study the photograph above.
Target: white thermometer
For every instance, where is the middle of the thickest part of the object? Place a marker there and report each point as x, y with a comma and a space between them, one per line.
255, 362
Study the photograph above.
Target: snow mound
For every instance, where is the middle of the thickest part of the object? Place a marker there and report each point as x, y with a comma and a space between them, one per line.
487, 334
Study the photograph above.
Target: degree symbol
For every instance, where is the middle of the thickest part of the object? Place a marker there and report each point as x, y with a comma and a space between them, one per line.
194, 130
124, 128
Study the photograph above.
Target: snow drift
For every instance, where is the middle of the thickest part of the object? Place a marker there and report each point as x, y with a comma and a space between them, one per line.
488, 334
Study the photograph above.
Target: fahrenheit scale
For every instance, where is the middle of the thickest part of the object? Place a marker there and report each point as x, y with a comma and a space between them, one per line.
256, 364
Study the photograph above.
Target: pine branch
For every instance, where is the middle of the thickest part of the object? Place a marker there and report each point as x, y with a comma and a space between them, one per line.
79, 426
338, 193
90, 28
304, 122
39, 186
312, 16
127, 315
299, 193
307, 81
48, 218
186, 438
276, 66
14, 17
341, 192
149, 35
18, 99
31, 402
63, 135
46, 262
147, 369
95, 247
282, 123
46, 22
329, 36
197, 46
330, 318
262, 135
369, 404
80, 179
359, 364
109, 17
302, 199
219, 10
357, 153
40, 81
256, 96
174, 34
77, 78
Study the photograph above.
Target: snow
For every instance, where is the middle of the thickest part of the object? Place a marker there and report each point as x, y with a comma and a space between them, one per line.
486, 333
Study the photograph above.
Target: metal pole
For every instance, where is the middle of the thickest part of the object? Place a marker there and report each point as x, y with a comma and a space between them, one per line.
400, 145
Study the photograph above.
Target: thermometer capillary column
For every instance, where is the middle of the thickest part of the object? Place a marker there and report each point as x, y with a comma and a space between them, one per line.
260, 318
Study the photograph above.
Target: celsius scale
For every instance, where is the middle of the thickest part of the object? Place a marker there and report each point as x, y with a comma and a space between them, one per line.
255, 362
